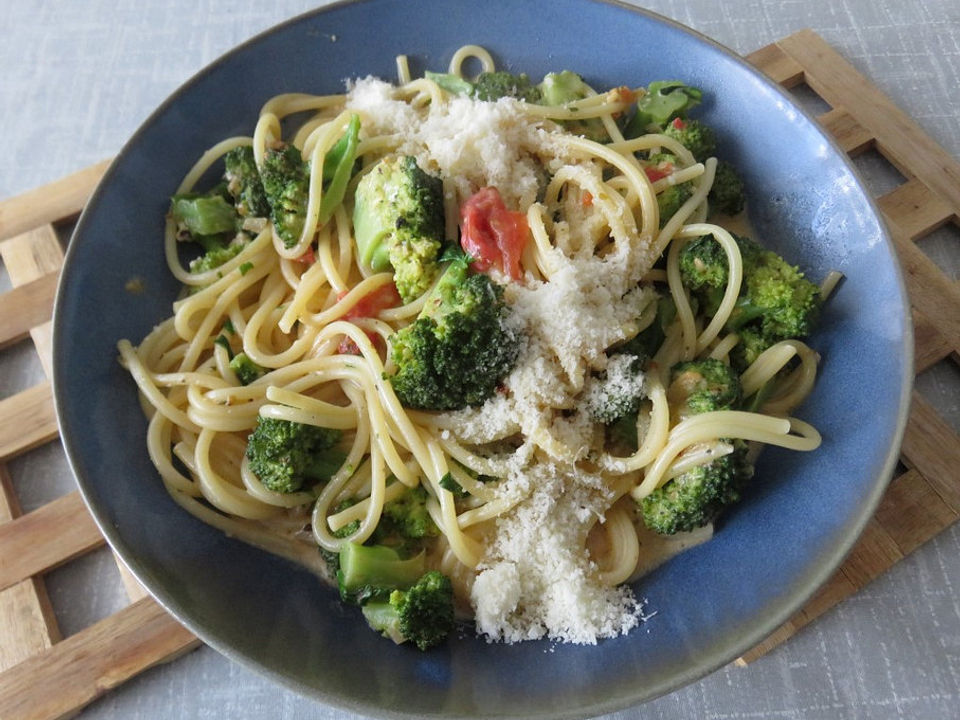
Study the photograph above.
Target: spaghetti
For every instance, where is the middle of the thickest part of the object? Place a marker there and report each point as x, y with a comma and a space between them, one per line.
545, 529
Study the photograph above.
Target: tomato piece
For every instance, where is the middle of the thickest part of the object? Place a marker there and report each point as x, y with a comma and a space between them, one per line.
678, 124
370, 305
348, 347
658, 172
492, 235
308, 258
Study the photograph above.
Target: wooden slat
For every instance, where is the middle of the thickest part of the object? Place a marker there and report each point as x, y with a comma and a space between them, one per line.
57, 201
874, 553
931, 292
926, 499
29, 257
933, 448
852, 137
27, 420
898, 137
27, 621
930, 346
32, 254
835, 590
915, 209
777, 65
41, 540
56, 683
26, 307
912, 512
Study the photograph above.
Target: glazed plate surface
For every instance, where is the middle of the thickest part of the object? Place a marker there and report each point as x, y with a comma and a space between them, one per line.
711, 603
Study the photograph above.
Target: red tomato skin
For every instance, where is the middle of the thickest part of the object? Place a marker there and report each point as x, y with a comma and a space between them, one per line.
655, 173
492, 235
371, 304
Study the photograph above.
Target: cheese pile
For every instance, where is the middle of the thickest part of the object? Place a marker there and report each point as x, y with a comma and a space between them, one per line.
536, 579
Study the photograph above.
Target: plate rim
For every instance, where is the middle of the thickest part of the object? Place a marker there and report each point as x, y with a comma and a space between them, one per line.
768, 622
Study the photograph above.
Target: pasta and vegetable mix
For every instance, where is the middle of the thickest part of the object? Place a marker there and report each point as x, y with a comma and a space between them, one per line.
473, 347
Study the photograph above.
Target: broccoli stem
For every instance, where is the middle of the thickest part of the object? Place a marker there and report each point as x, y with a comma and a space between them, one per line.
204, 215
337, 169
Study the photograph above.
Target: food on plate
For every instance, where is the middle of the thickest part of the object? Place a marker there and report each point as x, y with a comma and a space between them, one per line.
473, 346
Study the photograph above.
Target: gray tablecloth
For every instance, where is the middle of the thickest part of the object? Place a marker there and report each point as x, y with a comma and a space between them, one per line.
77, 78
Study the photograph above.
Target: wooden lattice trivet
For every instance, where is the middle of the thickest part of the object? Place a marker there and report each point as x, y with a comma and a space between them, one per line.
45, 676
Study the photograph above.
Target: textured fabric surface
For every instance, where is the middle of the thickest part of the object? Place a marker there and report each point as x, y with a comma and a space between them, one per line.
79, 77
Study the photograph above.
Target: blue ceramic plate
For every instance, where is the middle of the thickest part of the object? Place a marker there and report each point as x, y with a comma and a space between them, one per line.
713, 602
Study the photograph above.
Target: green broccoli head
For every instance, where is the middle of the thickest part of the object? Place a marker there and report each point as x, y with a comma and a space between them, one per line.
372, 572
671, 199
216, 256
776, 301
699, 386
566, 87
489, 86
646, 343
398, 222
498, 84
423, 614
201, 218
695, 136
245, 369
752, 343
697, 496
458, 350
351, 527
616, 391
778, 296
726, 194
703, 264
284, 454
286, 183
244, 184
407, 516
664, 101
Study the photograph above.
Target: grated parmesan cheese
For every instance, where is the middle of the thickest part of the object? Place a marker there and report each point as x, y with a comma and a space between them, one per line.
537, 578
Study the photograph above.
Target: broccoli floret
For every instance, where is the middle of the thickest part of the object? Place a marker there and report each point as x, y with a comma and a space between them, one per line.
695, 497
699, 386
369, 572
703, 264
203, 216
422, 615
776, 301
407, 515
284, 454
398, 222
698, 496
245, 369
671, 199
646, 343
338, 168
616, 391
565, 87
726, 193
622, 433
489, 86
449, 482
664, 101
457, 350
451, 82
495, 85
696, 137
216, 255
244, 184
286, 183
